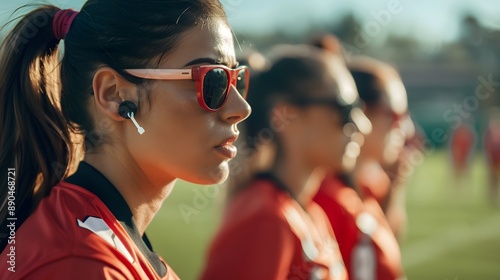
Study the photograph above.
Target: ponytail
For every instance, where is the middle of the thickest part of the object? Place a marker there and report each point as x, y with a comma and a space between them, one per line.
35, 138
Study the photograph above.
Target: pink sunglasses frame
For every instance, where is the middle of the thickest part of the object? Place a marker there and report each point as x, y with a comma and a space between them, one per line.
197, 74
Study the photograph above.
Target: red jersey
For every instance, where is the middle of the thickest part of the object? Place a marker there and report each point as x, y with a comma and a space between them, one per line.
367, 244
73, 234
492, 145
461, 145
267, 235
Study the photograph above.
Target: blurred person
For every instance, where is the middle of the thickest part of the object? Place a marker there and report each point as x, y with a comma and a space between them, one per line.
400, 172
492, 154
399, 143
386, 100
153, 88
272, 229
384, 95
366, 239
461, 147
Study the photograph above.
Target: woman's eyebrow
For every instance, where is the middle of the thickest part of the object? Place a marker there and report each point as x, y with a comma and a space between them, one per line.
202, 60
208, 60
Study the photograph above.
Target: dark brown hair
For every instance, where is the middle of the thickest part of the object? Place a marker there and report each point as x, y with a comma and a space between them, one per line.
293, 75
44, 102
371, 77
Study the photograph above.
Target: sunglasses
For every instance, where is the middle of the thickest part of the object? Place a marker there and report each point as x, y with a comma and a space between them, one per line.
349, 113
212, 81
344, 110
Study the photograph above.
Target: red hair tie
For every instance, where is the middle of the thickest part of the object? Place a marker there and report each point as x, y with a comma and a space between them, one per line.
62, 22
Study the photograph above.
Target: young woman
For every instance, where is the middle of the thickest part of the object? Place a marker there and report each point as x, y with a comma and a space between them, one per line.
461, 149
491, 146
272, 229
153, 89
352, 200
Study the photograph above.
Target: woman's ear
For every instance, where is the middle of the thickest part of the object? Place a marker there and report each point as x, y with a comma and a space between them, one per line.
111, 89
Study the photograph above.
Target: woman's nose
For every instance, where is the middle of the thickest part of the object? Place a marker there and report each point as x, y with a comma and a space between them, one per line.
236, 108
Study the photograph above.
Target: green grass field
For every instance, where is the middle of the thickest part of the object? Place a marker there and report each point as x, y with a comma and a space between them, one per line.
453, 232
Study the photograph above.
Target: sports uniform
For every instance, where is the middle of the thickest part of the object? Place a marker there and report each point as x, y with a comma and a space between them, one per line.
266, 234
83, 230
492, 146
367, 244
462, 147
492, 155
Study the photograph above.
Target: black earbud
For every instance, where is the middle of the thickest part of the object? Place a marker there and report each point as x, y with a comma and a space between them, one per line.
126, 107
127, 110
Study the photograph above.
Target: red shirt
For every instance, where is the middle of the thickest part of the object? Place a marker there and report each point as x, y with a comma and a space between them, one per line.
72, 234
268, 235
492, 145
462, 144
357, 223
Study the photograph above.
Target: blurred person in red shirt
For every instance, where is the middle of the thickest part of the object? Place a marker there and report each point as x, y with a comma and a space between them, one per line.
461, 143
492, 154
353, 199
272, 229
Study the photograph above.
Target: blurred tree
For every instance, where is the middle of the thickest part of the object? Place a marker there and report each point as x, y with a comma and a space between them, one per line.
483, 46
345, 30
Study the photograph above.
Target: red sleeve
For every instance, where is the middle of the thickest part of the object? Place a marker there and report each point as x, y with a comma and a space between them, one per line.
341, 217
260, 248
77, 268
332, 209
341, 208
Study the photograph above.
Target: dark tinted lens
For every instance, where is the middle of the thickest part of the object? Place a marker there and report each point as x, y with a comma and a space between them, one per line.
344, 110
241, 83
214, 88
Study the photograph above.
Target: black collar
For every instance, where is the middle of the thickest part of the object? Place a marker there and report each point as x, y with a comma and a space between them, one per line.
94, 181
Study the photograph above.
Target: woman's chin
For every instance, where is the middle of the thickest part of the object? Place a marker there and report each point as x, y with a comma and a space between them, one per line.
217, 175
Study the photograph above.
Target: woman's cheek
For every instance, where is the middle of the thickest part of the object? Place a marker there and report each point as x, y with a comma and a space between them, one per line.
334, 144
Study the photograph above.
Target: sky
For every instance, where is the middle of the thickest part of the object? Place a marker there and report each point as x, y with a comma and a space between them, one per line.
431, 20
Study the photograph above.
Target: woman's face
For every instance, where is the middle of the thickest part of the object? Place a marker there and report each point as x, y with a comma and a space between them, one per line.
386, 140
324, 142
324, 138
183, 140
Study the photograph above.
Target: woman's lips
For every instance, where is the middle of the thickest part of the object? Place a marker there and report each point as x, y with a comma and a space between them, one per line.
226, 148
